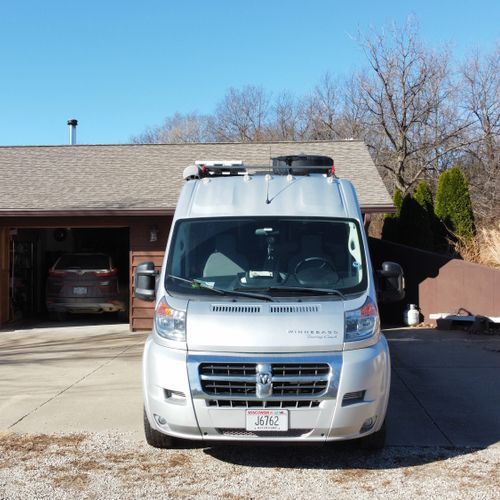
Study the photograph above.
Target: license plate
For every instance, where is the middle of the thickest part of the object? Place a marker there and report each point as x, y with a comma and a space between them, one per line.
80, 290
267, 420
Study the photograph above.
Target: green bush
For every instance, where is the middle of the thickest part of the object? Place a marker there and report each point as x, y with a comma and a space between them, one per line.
453, 205
390, 229
397, 200
415, 225
423, 196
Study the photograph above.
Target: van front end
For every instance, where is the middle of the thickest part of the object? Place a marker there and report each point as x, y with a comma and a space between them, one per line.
220, 395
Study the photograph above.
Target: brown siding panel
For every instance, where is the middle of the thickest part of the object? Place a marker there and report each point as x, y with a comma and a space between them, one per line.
141, 312
142, 250
4, 275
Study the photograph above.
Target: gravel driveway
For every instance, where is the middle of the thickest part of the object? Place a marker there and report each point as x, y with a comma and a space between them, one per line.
81, 388
116, 466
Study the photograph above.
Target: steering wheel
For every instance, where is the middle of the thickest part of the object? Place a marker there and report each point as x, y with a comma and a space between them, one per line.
316, 271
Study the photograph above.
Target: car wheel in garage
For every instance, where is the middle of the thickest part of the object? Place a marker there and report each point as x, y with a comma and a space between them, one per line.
58, 316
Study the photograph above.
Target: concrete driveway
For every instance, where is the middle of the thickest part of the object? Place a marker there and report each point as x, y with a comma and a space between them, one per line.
70, 379
87, 378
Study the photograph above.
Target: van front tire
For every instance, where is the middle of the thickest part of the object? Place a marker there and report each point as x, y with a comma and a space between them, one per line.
154, 438
375, 441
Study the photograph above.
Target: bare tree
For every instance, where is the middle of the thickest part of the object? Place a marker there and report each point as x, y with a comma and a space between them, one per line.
178, 128
242, 115
285, 122
405, 96
352, 120
149, 136
321, 109
480, 95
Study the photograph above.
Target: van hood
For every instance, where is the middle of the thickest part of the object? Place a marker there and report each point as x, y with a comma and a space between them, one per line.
265, 327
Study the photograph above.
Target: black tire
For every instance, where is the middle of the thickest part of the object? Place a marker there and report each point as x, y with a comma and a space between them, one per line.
375, 441
60, 317
154, 438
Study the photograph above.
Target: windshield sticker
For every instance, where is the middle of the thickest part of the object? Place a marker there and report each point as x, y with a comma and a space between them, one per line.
260, 274
196, 284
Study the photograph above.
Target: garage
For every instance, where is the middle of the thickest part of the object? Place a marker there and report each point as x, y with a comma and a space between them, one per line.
30, 246
33, 253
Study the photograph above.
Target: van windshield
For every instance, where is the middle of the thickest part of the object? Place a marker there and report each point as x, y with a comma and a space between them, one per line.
278, 256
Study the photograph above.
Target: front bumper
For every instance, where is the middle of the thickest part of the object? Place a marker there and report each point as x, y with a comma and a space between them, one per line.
177, 405
85, 305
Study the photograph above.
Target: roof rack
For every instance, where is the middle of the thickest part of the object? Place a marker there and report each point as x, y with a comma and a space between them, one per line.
281, 165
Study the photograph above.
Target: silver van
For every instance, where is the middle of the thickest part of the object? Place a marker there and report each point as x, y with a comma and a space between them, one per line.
266, 324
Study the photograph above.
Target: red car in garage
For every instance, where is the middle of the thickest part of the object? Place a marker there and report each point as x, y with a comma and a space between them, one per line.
84, 283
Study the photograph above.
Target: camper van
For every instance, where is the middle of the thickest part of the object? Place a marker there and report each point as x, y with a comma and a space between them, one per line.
266, 324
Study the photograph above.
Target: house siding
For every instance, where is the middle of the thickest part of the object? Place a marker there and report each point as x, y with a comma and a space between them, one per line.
141, 250
4, 274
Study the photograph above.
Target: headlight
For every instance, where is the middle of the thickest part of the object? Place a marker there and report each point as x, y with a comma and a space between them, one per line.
362, 323
170, 323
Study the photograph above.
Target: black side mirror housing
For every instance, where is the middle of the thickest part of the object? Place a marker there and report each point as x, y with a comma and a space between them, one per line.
391, 284
145, 281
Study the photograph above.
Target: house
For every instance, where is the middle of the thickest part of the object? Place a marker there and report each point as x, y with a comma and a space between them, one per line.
121, 199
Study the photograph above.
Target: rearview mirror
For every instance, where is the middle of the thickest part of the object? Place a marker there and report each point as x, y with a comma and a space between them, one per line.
145, 281
391, 284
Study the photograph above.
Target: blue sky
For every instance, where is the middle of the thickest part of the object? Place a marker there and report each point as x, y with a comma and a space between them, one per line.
119, 66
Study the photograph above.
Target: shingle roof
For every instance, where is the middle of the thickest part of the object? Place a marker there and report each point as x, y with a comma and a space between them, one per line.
149, 176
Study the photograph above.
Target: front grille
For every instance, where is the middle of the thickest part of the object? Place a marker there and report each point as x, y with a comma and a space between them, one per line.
269, 434
301, 369
229, 369
228, 388
256, 403
290, 381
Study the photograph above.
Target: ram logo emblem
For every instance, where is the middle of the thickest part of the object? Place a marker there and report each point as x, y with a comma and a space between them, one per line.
264, 376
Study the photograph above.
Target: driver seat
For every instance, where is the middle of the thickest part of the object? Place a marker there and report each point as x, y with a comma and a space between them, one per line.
311, 245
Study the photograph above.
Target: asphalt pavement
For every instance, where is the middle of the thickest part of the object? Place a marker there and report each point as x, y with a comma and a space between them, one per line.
88, 378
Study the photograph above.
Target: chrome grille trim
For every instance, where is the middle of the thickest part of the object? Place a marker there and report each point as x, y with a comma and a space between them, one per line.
233, 384
323, 368
232, 380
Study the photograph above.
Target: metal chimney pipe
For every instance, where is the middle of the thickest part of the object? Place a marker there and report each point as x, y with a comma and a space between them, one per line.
72, 131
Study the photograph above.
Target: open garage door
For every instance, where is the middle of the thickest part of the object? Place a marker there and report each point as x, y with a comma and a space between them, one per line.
91, 274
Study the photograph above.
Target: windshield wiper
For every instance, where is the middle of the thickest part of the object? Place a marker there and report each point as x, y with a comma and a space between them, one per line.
318, 291
196, 283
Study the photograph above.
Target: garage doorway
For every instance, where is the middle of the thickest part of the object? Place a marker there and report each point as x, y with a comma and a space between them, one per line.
33, 251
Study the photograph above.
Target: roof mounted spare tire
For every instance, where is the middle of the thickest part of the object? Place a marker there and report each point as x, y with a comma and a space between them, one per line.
302, 164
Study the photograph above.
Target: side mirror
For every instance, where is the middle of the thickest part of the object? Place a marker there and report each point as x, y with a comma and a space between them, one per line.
145, 281
391, 283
